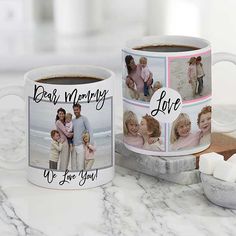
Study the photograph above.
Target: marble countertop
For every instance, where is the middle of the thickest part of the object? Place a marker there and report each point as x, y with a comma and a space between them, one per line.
132, 204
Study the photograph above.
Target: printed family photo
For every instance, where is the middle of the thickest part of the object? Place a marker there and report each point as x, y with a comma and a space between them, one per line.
191, 76
142, 76
192, 128
75, 137
142, 130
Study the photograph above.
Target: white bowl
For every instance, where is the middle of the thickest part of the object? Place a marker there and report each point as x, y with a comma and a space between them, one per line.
219, 192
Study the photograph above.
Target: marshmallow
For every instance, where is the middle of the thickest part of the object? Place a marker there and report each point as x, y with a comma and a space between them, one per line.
232, 159
225, 171
208, 162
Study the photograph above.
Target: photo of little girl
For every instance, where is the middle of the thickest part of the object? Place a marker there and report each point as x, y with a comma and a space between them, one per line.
89, 151
55, 150
204, 123
191, 76
192, 128
181, 136
142, 131
150, 130
130, 129
139, 79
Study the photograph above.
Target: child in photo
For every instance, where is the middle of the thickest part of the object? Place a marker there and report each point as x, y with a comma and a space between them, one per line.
89, 151
192, 75
55, 150
130, 128
181, 136
204, 124
157, 85
200, 75
150, 129
132, 90
69, 127
145, 74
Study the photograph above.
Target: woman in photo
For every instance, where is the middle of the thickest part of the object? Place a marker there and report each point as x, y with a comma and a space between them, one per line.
181, 136
192, 75
135, 74
150, 130
64, 134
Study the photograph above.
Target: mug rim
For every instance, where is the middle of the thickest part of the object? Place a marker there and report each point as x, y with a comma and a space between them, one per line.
148, 40
52, 70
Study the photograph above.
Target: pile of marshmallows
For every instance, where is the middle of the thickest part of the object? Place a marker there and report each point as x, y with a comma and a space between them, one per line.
214, 164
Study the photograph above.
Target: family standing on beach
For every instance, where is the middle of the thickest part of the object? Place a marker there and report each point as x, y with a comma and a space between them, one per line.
139, 79
195, 75
72, 140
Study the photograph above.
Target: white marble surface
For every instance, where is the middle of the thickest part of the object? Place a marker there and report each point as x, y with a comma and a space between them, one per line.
133, 204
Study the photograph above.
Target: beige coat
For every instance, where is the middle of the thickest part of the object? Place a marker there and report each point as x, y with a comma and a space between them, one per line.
56, 148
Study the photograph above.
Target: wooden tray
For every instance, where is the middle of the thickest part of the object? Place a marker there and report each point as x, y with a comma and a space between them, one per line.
222, 144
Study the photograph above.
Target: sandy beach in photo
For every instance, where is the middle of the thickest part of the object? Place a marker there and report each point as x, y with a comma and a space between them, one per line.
179, 77
40, 151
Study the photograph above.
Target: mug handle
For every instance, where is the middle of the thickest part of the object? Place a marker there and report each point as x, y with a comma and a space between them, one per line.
5, 91
218, 126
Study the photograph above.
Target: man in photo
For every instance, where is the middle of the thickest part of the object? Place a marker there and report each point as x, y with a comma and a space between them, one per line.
80, 124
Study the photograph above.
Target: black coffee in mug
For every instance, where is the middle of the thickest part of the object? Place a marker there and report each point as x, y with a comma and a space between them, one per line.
68, 80
166, 48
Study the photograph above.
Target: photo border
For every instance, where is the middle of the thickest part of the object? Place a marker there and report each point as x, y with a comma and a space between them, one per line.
112, 136
164, 58
146, 151
207, 101
169, 80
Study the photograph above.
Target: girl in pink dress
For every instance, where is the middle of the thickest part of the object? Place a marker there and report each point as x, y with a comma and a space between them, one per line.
181, 136
131, 127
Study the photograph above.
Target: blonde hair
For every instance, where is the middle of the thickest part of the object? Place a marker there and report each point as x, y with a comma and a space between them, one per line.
68, 115
157, 84
191, 60
183, 117
205, 110
85, 133
144, 59
153, 126
128, 117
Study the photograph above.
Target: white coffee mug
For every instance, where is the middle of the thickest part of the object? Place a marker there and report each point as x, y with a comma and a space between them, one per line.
167, 95
69, 125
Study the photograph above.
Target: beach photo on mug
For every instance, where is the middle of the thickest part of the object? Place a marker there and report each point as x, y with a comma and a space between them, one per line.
142, 76
192, 128
64, 136
191, 76
141, 130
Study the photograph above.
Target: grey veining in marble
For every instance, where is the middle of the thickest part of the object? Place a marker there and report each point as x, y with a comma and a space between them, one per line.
219, 192
15, 225
154, 164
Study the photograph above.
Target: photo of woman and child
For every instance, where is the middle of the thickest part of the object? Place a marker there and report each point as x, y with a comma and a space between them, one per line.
66, 140
143, 135
182, 137
139, 81
74, 137
191, 77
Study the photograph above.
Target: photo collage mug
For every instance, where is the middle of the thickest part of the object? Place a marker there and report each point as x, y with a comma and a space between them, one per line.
167, 92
